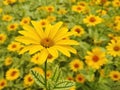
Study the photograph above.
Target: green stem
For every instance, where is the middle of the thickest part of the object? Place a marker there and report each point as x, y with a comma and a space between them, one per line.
45, 74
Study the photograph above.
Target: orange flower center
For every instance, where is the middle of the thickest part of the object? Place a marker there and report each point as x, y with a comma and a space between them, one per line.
78, 8
47, 42
95, 58
25, 21
80, 78
13, 73
12, 26
43, 23
50, 56
115, 76
77, 30
76, 65
92, 19
117, 48
13, 46
30, 79
2, 84
1, 38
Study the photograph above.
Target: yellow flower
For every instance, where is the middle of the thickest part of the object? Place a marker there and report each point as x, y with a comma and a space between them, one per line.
117, 19
115, 75
7, 2
48, 41
51, 18
78, 8
49, 9
113, 48
36, 58
2, 38
12, 27
76, 65
3, 84
62, 11
73, 88
80, 78
7, 17
43, 22
96, 58
14, 46
92, 20
21, 1
48, 74
1, 10
78, 30
116, 3
51, 58
12, 74
28, 80
101, 12
25, 20
8, 61
39, 70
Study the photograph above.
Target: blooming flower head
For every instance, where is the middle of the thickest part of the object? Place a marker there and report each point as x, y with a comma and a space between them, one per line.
62, 11
115, 75
96, 58
12, 74
116, 3
2, 38
78, 8
46, 41
28, 80
25, 20
113, 48
13, 46
51, 18
92, 20
8, 61
80, 78
76, 65
7, 17
78, 30
7, 2
39, 70
43, 22
12, 27
49, 9
3, 83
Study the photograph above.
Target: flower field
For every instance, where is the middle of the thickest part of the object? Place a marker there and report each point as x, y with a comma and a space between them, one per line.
59, 44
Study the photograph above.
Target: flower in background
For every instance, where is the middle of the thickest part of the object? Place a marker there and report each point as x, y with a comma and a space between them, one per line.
1, 10
80, 78
113, 48
78, 30
51, 19
92, 20
78, 8
12, 74
7, 17
43, 22
114, 75
28, 80
3, 83
96, 58
7, 2
25, 21
12, 27
49, 9
62, 11
36, 58
8, 61
116, 3
48, 41
39, 70
13, 46
2, 38
76, 65
48, 74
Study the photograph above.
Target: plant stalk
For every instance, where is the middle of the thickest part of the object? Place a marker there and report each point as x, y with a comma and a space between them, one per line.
45, 70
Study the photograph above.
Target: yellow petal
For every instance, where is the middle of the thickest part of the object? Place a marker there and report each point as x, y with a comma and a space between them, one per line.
71, 49
53, 51
67, 42
48, 29
35, 48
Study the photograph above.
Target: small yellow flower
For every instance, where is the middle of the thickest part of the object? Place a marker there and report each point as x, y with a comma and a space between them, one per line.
25, 21
92, 20
13, 46
43, 22
51, 18
80, 78
73, 88
48, 74
96, 58
101, 12
1, 10
116, 3
12, 74
49, 9
2, 38
78, 30
39, 70
117, 19
8, 61
36, 58
28, 80
7, 2
12, 27
115, 75
7, 17
76, 65
3, 84
62, 11
78, 8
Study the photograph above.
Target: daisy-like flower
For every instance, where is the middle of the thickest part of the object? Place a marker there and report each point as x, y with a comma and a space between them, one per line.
2, 38
80, 78
115, 75
51, 18
113, 48
48, 74
96, 58
39, 70
43, 22
62, 11
8, 61
13, 46
12, 27
47, 41
25, 20
92, 20
78, 30
12, 74
76, 65
78, 8
3, 84
49, 9
28, 80
7, 17
7, 2
72, 88
116, 3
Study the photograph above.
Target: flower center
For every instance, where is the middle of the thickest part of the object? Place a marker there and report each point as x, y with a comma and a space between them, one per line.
95, 58
78, 8
2, 84
77, 30
43, 23
1, 38
29, 79
13, 46
116, 48
76, 65
115, 76
25, 21
92, 19
49, 56
47, 42
12, 26
80, 78
13, 73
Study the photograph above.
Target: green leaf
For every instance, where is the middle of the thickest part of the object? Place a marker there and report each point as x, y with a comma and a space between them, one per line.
39, 79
